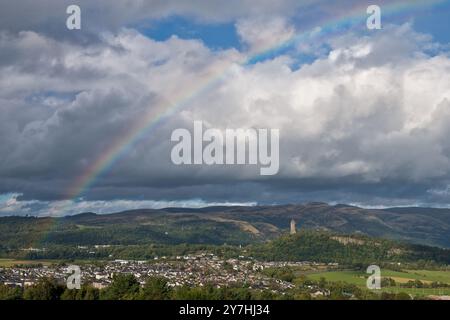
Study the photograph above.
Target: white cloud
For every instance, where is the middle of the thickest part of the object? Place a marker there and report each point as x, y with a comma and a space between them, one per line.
374, 110
10, 205
100, 15
264, 32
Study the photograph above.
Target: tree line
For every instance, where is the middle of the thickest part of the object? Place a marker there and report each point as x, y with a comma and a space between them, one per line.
127, 287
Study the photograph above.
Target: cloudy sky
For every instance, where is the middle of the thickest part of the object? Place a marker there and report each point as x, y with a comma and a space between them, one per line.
87, 115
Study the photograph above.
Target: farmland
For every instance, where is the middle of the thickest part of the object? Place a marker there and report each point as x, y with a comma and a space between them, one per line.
401, 278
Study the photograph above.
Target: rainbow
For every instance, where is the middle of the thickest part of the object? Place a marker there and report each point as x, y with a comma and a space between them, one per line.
141, 129
213, 76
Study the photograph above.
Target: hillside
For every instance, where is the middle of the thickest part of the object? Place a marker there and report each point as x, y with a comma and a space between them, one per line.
321, 246
232, 225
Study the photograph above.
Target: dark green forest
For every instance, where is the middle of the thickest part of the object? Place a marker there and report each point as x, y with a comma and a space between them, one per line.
306, 245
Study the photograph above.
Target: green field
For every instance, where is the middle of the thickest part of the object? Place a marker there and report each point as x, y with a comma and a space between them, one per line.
353, 277
6, 263
359, 279
425, 276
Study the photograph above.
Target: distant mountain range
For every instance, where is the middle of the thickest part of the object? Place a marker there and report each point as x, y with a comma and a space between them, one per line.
232, 225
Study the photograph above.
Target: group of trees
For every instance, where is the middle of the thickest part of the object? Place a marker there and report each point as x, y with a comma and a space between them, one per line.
88, 230
389, 282
321, 246
139, 242
423, 285
129, 252
284, 273
127, 287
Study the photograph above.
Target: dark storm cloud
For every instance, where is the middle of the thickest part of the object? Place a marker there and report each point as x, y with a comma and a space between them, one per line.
358, 125
49, 16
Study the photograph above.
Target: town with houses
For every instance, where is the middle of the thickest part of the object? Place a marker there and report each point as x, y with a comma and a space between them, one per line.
190, 270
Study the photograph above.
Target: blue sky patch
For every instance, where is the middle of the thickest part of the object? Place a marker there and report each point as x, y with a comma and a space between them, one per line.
215, 36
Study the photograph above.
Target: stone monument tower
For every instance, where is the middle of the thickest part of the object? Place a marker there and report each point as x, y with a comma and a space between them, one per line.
293, 228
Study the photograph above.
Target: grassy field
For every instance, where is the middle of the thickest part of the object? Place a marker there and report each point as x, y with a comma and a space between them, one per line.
426, 276
6, 263
359, 279
353, 277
